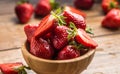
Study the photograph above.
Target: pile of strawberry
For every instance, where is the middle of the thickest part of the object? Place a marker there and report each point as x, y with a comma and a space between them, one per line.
60, 35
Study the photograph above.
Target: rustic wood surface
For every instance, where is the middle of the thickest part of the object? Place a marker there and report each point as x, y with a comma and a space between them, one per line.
12, 37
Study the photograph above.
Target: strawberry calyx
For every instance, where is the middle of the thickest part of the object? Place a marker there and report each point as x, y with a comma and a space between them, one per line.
21, 69
112, 5
22, 1
72, 32
89, 30
77, 45
54, 4
59, 17
83, 40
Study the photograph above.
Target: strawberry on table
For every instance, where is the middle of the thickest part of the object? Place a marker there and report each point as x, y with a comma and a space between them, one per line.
13, 68
77, 19
24, 11
44, 7
107, 5
68, 52
112, 19
83, 4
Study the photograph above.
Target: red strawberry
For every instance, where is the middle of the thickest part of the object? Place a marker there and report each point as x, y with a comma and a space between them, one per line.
59, 38
12, 68
29, 31
68, 52
112, 19
84, 39
43, 8
41, 48
83, 51
24, 12
77, 19
74, 10
47, 36
46, 26
83, 4
107, 5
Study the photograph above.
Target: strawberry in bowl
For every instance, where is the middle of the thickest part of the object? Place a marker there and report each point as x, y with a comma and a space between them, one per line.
57, 44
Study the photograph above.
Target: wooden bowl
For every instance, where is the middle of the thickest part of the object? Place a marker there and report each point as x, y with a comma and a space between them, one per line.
44, 66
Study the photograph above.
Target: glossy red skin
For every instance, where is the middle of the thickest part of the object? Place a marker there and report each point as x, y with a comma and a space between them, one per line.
59, 37
41, 48
84, 39
77, 19
29, 31
106, 5
83, 51
68, 52
43, 8
24, 12
83, 4
47, 25
112, 19
8, 68
74, 10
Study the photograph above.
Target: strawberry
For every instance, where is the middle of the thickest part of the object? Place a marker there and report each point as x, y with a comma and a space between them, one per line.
74, 10
44, 7
24, 11
59, 38
107, 5
83, 4
68, 52
41, 48
82, 38
83, 51
29, 31
112, 19
46, 26
13, 68
77, 19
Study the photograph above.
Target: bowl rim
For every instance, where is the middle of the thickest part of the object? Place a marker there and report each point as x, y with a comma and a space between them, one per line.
89, 53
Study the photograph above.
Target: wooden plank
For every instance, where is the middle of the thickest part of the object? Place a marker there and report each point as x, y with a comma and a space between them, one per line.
106, 59
12, 33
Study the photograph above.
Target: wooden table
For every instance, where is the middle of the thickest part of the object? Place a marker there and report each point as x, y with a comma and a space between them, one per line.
12, 37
